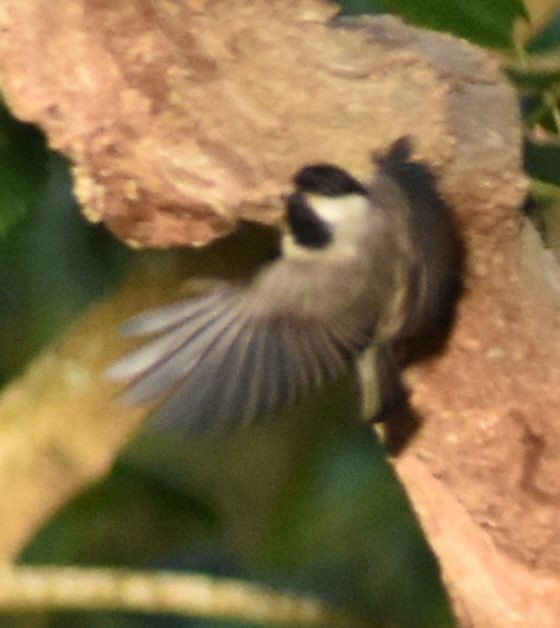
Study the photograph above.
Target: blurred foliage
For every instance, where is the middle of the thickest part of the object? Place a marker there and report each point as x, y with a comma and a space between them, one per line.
23, 156
52, 262
485, 22
307, 502
548, 38
109, 522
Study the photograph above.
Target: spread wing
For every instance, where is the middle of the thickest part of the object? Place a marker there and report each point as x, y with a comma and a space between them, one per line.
220, 359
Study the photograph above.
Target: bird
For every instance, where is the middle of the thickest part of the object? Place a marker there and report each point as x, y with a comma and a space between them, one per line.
362, 268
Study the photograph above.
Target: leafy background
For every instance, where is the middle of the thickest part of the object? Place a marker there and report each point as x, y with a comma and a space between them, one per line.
307, 503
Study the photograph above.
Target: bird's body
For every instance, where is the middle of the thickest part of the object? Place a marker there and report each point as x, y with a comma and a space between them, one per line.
353, 273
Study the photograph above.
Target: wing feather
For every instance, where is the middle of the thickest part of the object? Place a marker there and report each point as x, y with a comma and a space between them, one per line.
222, 359
255, 374
195, 401
190, 355
287, 371
233, 369
169, 316
165, 345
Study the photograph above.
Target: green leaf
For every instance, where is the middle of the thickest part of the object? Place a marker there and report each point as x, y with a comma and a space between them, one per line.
486, 22
549, 38
542, 162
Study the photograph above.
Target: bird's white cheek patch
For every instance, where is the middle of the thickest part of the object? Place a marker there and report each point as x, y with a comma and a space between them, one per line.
340, 209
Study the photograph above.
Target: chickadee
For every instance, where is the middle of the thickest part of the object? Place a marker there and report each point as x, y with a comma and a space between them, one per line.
362, 267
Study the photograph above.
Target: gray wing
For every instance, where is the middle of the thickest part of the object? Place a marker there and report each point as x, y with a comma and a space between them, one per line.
220, 360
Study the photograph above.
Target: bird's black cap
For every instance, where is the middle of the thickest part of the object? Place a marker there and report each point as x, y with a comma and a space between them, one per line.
327, 180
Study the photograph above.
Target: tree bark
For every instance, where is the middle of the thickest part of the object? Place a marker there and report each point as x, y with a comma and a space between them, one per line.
182, 119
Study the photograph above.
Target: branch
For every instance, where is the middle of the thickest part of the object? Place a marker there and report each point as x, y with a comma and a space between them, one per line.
50, 588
